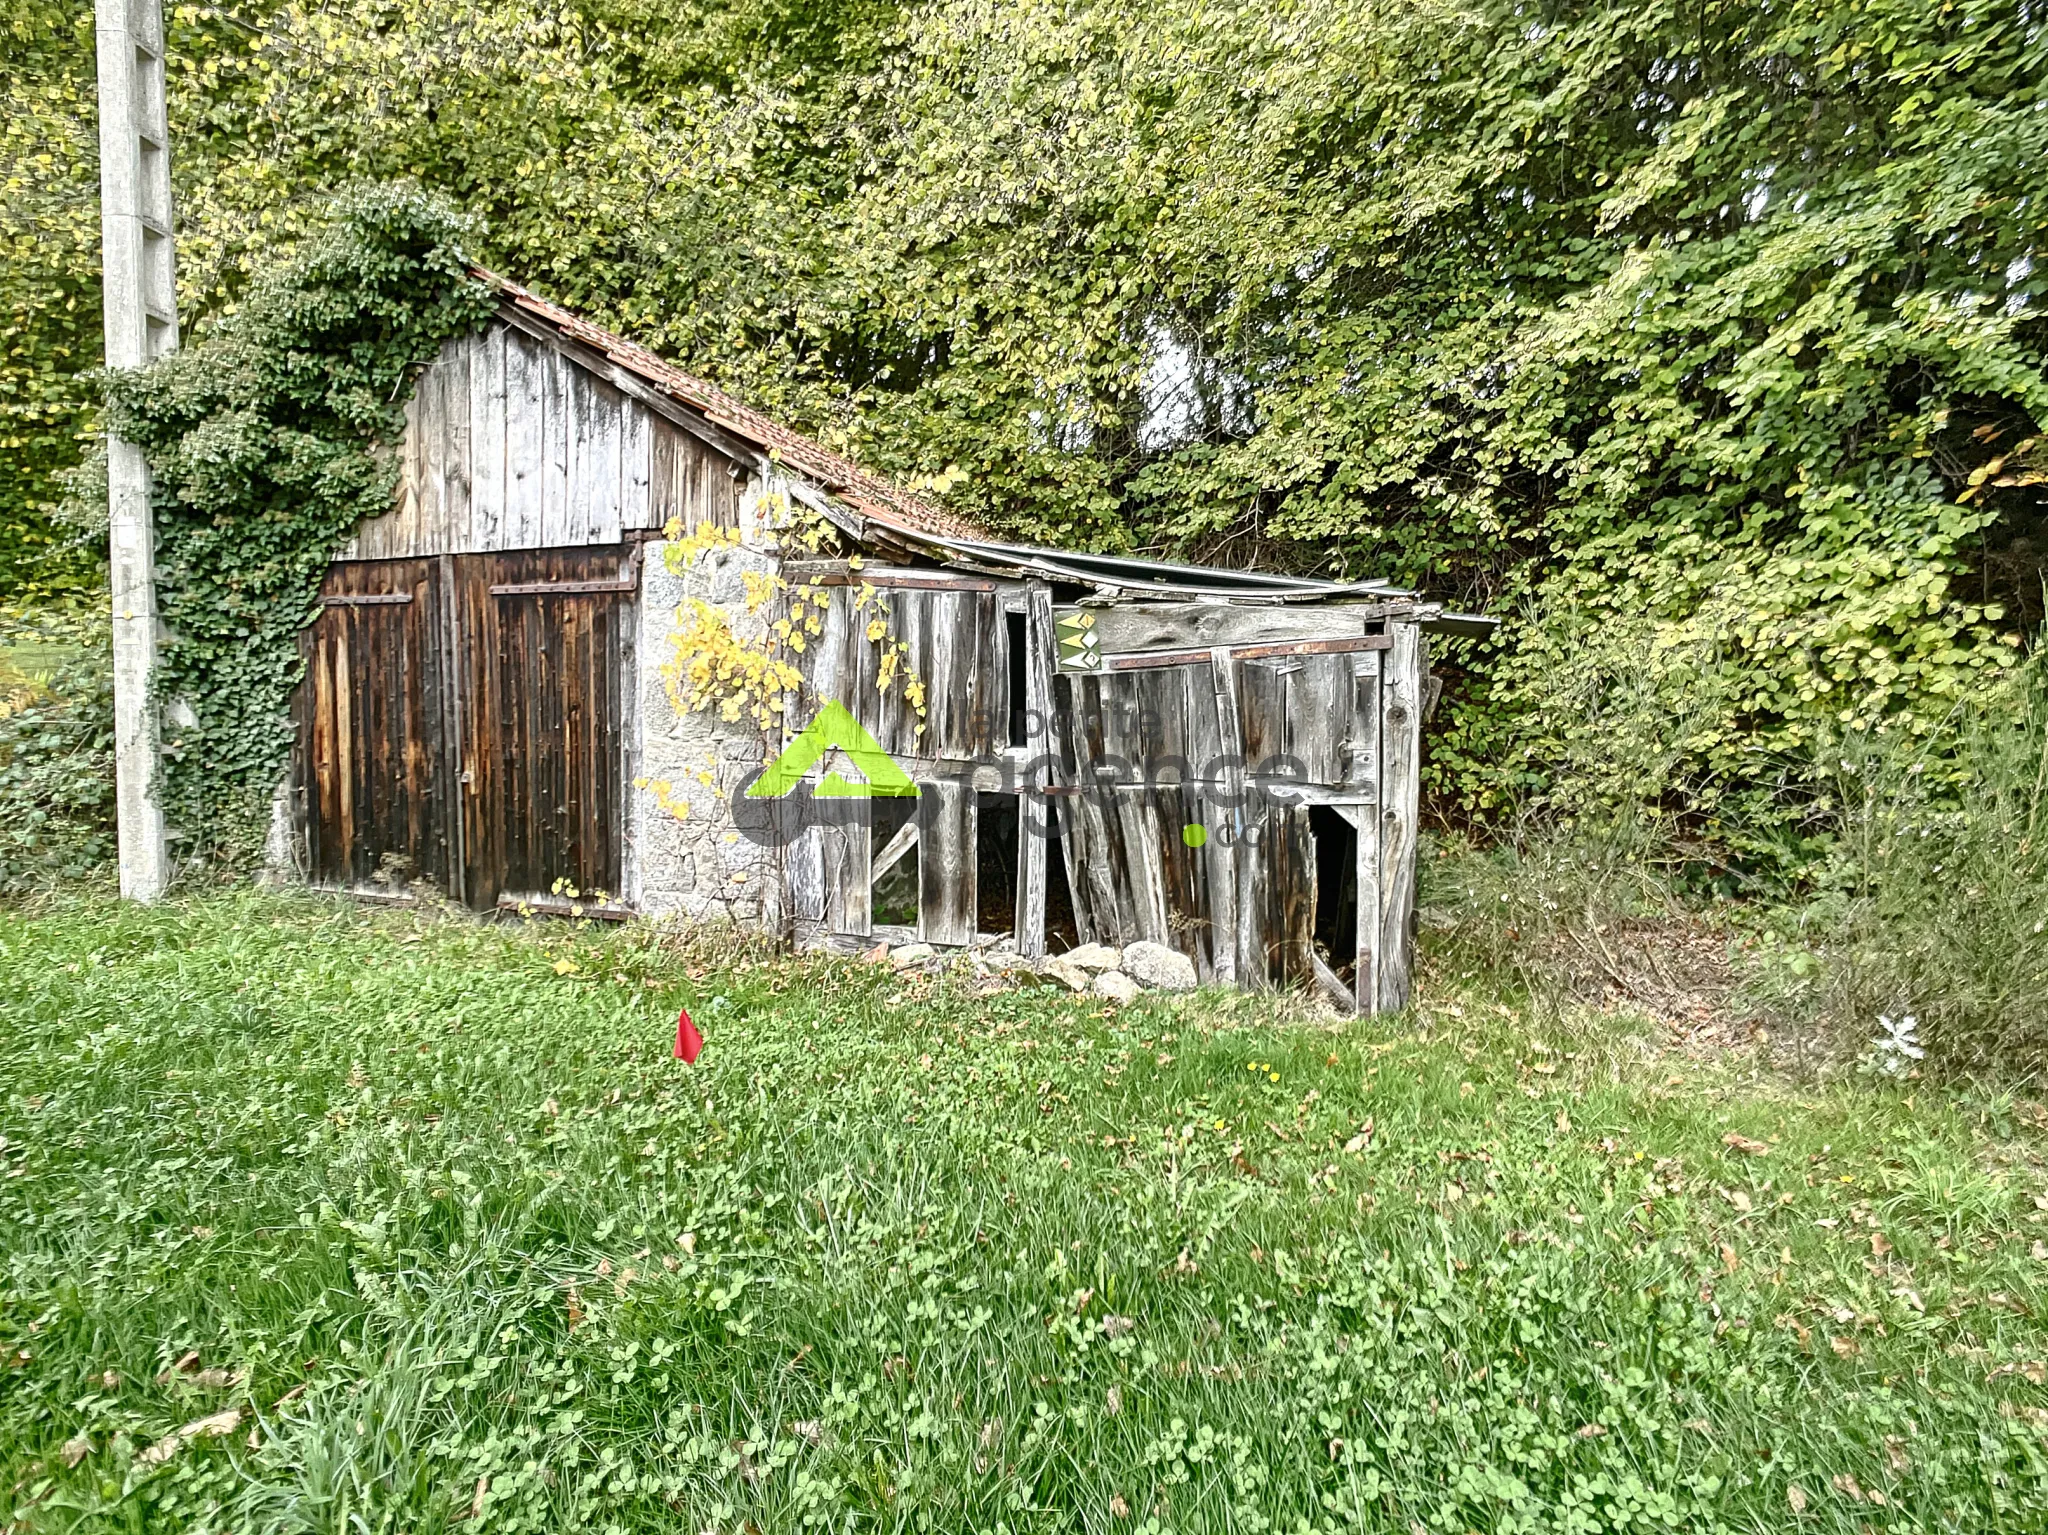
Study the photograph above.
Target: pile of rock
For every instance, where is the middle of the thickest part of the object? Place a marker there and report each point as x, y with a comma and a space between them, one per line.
1119, 975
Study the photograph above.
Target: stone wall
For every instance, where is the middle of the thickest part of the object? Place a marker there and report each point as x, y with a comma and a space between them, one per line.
694, 866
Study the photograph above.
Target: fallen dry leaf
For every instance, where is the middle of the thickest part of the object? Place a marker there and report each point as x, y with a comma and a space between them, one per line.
199, 1428
1847, 1348
1744, 1144
1796, 1496
476, 1501
1118, 1507
184, 1366
1880, 1244
1729, 1260
75, 1450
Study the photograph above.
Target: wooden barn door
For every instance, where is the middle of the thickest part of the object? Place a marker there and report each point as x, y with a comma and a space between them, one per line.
463, 724
375, 730
547, 637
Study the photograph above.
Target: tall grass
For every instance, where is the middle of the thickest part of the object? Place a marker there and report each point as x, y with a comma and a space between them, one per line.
1936, 904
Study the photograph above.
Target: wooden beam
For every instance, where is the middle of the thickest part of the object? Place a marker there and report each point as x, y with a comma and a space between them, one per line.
1140, 626
1331, 985
904, 840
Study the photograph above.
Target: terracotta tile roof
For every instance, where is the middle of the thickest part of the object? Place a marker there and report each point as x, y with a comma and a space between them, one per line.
866, 493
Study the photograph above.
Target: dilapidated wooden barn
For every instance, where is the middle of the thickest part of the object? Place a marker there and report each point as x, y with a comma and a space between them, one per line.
1109, 749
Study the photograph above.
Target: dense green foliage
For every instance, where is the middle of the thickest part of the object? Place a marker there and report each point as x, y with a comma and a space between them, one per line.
267, 445
56, 748
49, 287
1722, 319
427, 1211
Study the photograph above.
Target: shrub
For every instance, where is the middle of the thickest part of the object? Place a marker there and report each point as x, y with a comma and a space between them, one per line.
56, 750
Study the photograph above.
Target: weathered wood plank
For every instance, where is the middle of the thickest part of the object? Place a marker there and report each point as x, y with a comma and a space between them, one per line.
487, 441
848, 881
525, 428
1362, 772
455, 423
1361, 747
803, 865
598, 487
1400, 804
902, 842
636, 470
1183, 875
1143, 841
419, 517
1319, 716
665, 495
945, 864
560, 475
1140, 626
1335, 990
1249, 956
1205, 742
1149, 660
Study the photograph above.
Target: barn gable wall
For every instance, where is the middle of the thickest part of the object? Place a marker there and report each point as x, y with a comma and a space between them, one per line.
509, 444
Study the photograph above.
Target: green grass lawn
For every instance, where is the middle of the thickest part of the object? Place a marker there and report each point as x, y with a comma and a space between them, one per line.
315, 1218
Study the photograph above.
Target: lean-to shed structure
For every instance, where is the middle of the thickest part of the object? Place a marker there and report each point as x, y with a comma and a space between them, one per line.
1109, 749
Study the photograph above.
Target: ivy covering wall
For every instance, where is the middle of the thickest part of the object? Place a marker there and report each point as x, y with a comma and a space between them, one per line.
1704, 343
268, 442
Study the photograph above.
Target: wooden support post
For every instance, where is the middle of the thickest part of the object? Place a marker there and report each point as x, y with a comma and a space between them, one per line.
1400, 810
141, 315
1236, 952
1034, 808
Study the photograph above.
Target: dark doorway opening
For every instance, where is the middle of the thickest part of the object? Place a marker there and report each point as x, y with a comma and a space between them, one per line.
893, 891
1062, 932
1020, 732
995, 863
1336, 926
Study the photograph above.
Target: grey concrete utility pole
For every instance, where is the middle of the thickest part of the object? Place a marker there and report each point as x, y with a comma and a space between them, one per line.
141, 324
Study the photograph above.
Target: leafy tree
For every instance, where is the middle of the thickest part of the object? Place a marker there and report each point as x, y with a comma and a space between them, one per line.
1720, 321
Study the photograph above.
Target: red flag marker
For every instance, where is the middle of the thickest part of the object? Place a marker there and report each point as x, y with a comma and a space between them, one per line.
689, 1043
